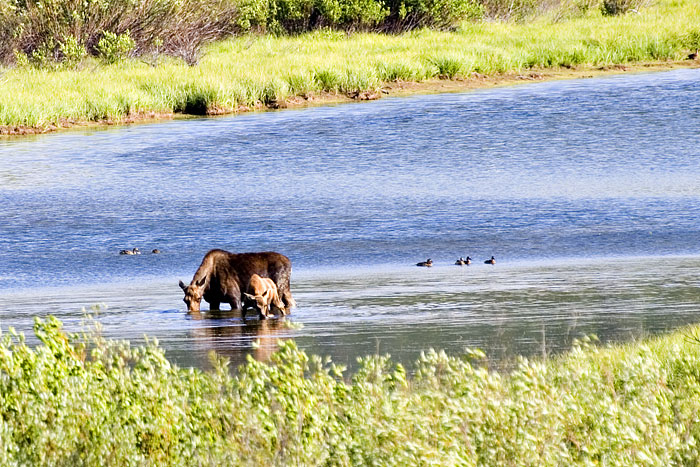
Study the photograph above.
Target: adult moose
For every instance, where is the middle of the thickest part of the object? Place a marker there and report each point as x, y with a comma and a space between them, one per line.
224, 277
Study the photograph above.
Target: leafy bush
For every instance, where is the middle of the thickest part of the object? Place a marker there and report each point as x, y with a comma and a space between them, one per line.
351, 14
292, 16
81, 399
113, 48
439, 14
72, 51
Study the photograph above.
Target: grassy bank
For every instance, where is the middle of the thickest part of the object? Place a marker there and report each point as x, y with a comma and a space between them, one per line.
79, 400
267, 71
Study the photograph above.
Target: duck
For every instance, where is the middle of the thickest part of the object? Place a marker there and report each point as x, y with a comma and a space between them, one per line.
490, 261
155, 251
427, 263
134, 251
460, 262
468, 261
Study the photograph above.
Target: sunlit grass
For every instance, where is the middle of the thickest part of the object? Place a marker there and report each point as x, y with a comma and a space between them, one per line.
256, 71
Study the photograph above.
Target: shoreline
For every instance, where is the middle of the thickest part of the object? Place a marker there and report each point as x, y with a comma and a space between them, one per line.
386, 89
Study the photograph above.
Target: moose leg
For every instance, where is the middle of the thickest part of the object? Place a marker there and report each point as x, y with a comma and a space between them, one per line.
281, 279
235, 304
214, 306
289, 302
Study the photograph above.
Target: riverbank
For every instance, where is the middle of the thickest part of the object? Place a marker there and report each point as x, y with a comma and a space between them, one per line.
632, 404
265, 72
396, 88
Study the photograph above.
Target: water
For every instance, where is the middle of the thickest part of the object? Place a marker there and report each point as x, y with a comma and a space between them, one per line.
587, 192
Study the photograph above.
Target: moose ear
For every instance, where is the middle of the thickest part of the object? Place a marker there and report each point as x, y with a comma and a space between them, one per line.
249, 297
183, 286
201, 282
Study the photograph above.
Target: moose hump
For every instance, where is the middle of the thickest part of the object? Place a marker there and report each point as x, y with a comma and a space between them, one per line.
223, 277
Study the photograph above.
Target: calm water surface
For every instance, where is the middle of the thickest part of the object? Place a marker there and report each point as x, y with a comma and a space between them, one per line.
587, 192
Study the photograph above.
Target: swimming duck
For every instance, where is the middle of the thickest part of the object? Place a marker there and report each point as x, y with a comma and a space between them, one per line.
460, 262
134, 251
490, 261
428, 263
468, 261
155, 251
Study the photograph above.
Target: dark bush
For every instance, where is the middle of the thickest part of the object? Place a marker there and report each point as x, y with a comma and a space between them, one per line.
620, 7
516, 10
46, 30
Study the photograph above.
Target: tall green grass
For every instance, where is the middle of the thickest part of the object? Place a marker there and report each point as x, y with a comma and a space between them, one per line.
84, 400
255, 71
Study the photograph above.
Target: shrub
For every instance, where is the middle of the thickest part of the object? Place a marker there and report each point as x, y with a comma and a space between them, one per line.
439, 14
292, 16
620, 7
354, 14
516, 10
72, 51
53, 30
113, 48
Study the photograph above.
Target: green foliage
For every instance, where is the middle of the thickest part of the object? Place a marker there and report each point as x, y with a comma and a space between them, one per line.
82, 399
439, 14
351, 14
113, 48
72, 51
291, 16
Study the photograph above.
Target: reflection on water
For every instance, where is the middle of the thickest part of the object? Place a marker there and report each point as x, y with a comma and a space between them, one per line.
225, 333
587, 192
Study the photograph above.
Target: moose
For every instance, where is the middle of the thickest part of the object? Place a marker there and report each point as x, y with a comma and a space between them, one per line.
223, 277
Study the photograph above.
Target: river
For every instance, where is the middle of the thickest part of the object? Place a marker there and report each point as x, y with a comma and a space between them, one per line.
587, 192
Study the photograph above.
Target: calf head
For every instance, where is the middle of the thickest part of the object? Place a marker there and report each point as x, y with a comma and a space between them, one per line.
259, 303
193, 294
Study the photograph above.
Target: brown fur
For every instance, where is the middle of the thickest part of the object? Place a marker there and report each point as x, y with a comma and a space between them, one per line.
261, 295
222, 277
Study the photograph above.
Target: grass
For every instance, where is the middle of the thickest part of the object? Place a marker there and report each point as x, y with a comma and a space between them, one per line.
257, 71
83, 400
